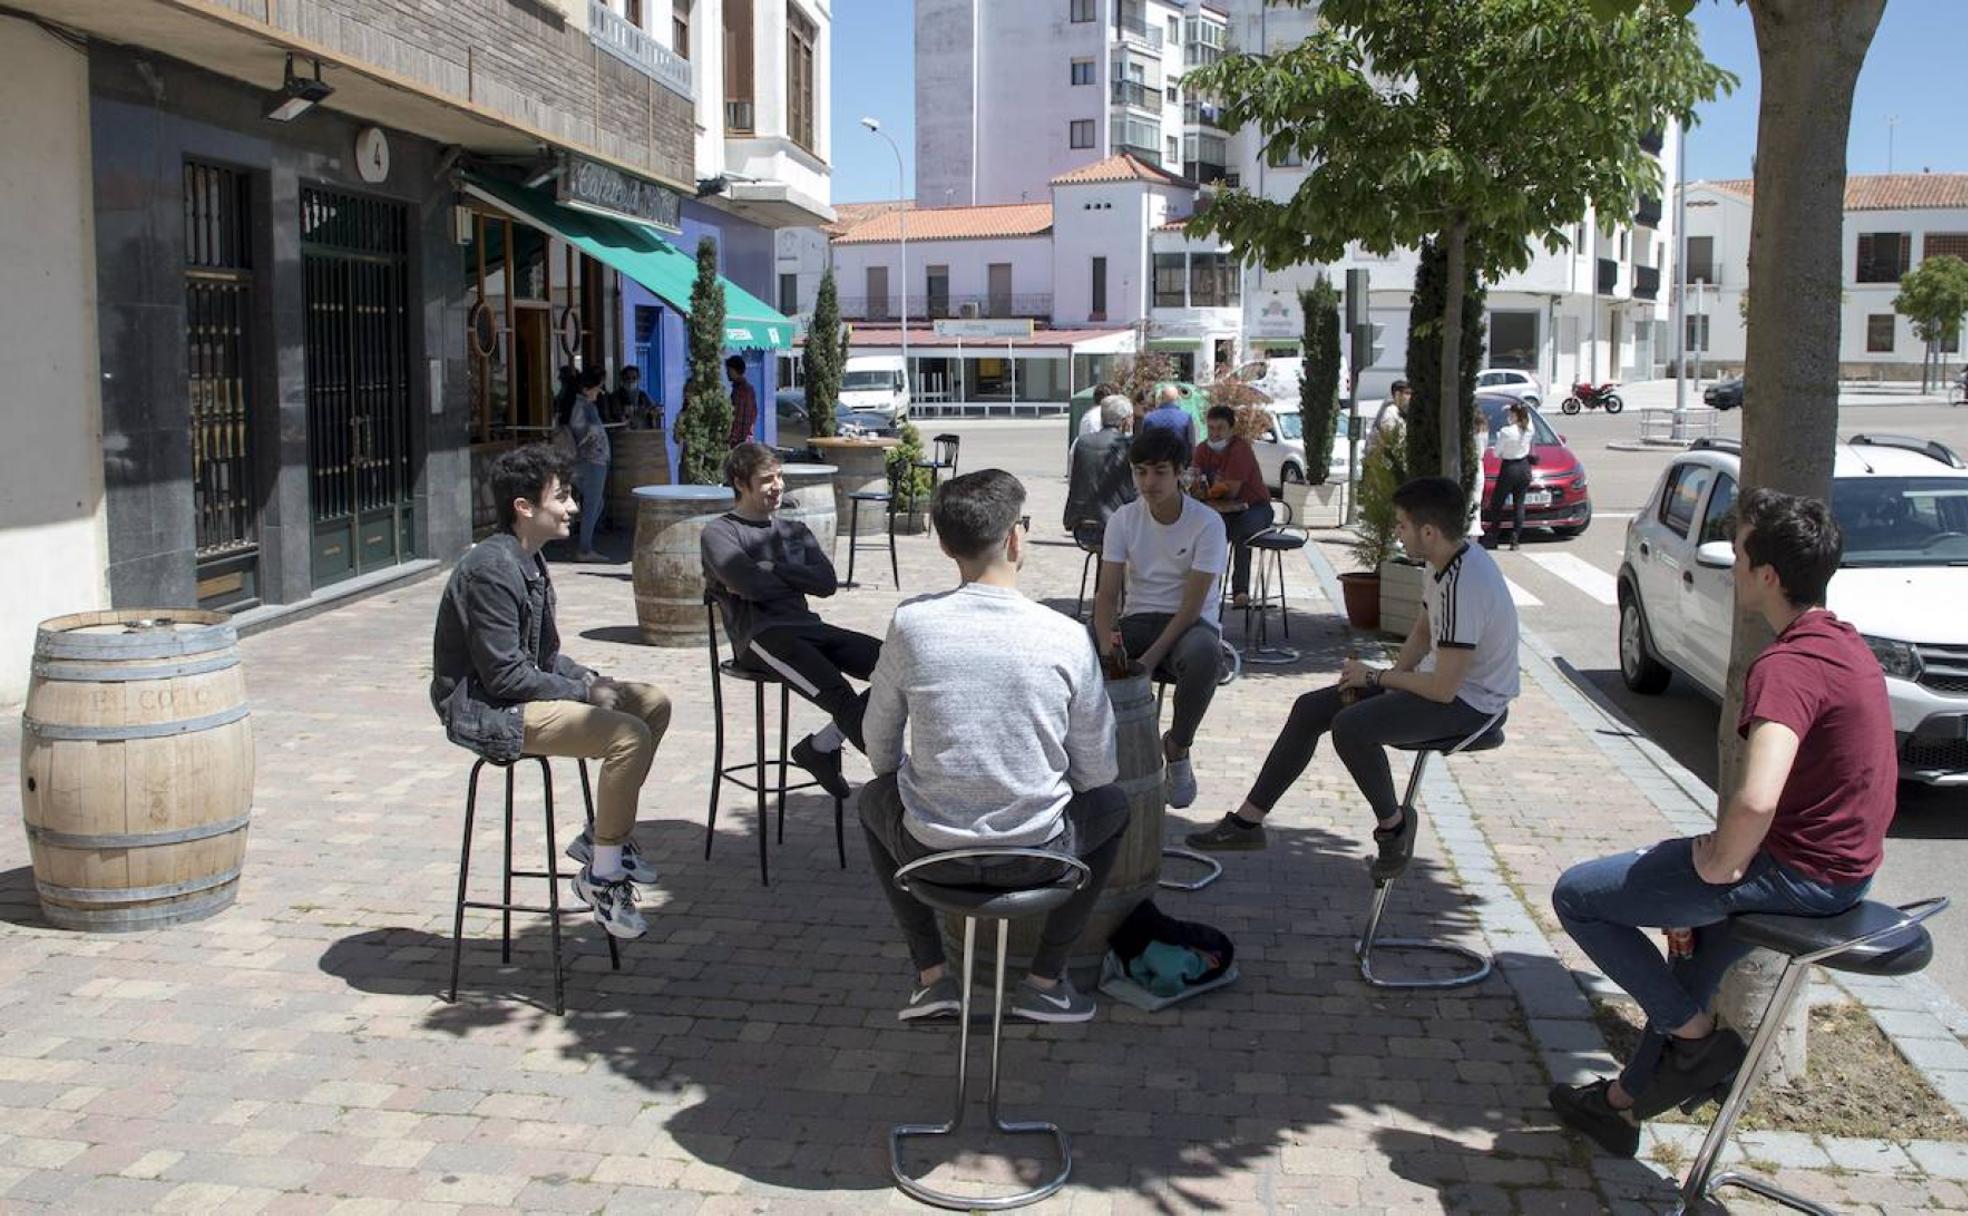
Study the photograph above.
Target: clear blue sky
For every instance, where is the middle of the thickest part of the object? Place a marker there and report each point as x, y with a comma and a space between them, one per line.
1913, 70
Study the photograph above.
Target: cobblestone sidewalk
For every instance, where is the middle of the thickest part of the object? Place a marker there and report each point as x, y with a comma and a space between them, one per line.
293, 1053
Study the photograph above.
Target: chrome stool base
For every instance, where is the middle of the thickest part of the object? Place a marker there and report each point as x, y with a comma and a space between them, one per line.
1213, 870
1370, 941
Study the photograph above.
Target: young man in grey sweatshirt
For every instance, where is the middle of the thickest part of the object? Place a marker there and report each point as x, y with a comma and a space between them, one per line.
1011, 744
760, 569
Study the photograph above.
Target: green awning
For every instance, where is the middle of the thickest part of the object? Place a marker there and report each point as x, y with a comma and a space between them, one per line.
642, 254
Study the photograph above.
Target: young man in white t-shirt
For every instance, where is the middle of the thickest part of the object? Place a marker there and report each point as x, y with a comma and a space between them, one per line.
1170, 551
1457, 669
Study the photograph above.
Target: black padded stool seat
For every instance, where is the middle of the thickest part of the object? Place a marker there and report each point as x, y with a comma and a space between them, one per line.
1872, 938
1489, 740
974, 902
1905, 949
1277, 541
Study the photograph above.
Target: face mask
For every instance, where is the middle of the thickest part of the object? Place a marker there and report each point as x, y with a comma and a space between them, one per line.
1217, 445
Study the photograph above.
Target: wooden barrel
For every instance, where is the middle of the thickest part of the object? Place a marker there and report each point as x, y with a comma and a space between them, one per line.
640, 458
1138, 749
669, 564
810, 499
136, 768
862, 464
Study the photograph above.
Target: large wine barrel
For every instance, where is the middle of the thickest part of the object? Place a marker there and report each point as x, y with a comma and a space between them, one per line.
862, 465
810, 499
1138, 748
136, 768
640, 458
669, 562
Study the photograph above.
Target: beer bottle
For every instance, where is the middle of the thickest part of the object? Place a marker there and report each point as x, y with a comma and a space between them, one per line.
1349, 695
1115, 665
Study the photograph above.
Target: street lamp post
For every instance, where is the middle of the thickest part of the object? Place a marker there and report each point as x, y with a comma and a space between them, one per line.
902, 220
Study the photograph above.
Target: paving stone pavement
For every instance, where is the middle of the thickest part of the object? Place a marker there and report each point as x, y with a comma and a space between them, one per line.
293, 1054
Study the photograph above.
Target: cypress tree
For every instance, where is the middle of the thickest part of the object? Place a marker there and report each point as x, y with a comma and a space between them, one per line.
703, 425
1319, 387
1424, 370
822, 358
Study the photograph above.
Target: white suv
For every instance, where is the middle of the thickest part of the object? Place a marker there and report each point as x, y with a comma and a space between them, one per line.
1903, 505
1510, 382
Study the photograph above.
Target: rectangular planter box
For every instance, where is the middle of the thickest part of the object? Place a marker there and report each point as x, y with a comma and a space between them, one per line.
1400, 596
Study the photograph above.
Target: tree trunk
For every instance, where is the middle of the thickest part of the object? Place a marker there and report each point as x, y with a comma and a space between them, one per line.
1809, 52
1449, 419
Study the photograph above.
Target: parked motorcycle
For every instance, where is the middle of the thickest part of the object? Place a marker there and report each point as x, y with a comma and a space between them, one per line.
1593, 397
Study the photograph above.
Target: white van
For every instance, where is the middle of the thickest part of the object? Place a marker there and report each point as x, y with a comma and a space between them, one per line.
875, 384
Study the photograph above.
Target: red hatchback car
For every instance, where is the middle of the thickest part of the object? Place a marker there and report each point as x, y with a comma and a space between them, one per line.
1558, 498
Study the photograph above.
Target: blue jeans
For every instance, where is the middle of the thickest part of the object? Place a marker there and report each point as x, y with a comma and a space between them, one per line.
1605, 904
590, 482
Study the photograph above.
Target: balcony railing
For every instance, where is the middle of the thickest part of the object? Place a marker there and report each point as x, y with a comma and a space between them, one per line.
1198, 55
1140, 96
1141, 152
1203, 114
1648, 213
616, 36
1609, 272
1135, 29
1036, 305
738, 117
1646, 282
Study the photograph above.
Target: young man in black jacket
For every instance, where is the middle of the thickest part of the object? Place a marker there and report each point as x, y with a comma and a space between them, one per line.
760, 569
502, 688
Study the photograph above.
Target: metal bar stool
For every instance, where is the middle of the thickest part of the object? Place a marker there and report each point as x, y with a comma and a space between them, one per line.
1485, 738
505, 905
943, 455
1087, 535
1872, 939
1269, 549
1212, 868
758, 781
1003, 905
886, 499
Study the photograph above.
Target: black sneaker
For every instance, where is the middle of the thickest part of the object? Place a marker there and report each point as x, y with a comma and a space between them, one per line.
824, 766
1397, 847
1689, 1069
1584, 1109
1228, 834
1059, 1003
938, 1000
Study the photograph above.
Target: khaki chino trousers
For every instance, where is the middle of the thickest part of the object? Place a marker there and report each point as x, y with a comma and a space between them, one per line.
623, 738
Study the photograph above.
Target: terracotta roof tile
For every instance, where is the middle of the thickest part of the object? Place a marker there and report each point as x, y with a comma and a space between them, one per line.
953, 224
1122, 167
1882, 191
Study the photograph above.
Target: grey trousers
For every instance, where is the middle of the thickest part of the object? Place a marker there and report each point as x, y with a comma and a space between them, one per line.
1196, 661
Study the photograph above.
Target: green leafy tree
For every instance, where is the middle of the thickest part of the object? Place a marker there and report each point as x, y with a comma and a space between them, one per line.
821, 359
1934, 297
703, 425
1428, 402
1415, 126
1318, 389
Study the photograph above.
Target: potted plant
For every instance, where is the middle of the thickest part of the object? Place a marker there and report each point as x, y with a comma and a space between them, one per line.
1374, 543
911, 483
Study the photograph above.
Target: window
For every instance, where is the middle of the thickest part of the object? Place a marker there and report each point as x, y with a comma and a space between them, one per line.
1171, 280
1082, 10
1173, 96
1213, 280
1879, 333
801, 36
937, 280
1174, 30
738, 60
632, 12
1100, 289
1701, 259
1174, 150
1082, 71
1079, 133
1716, 524
1697, 332
1684, 490
789, 293
680, 28
997, 282
877, 309
1626, 245
1948, 244
1883, 257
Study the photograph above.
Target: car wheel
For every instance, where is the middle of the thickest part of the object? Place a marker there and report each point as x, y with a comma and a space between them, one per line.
1530, 399
1642, 672
1291, 475
1569, 405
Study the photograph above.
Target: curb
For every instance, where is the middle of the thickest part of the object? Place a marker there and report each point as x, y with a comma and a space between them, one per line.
1914, 1013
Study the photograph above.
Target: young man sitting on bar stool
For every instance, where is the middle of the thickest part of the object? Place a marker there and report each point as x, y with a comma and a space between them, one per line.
760, 569
1011, 744
1802, 835
503, 689
1457, 670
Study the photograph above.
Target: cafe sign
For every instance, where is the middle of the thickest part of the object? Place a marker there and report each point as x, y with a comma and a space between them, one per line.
592, 186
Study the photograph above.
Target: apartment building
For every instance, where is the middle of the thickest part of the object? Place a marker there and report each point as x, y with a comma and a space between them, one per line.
1893, 222
302, 267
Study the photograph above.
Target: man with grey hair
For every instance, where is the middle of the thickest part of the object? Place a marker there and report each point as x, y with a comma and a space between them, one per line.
1100, 482
1169, 412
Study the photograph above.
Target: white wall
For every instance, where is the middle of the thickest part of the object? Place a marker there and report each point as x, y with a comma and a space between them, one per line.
1107, 220
946, 102
770, 153
969, 262
1864, 299
53, 539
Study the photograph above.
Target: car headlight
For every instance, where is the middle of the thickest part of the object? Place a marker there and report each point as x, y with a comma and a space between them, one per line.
1897, 659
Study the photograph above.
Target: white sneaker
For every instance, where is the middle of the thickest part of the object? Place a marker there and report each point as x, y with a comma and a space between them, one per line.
1179, 782
613, 902
640, 870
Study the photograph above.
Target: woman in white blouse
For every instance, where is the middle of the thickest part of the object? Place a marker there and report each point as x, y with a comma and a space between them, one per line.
1513, 449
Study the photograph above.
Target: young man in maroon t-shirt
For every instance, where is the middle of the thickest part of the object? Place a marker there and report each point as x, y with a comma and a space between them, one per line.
1801, 836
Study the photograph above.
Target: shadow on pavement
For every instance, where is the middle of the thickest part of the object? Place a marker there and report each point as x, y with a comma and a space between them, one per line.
760, 1022
623, 635
19, 903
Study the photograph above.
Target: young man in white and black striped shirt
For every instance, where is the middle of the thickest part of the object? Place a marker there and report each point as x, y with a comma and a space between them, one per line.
1457, 670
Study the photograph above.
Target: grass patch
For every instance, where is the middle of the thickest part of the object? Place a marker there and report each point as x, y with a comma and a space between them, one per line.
1856, 1084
